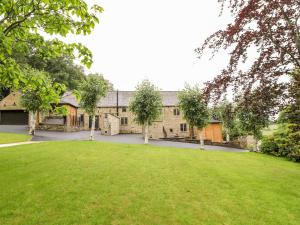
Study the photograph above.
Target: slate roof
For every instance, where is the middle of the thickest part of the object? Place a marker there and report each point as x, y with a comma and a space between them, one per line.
69, 98
169, 98
110, 100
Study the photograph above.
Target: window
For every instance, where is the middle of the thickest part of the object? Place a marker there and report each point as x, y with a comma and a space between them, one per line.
105, 115
176, 112
81, 120
124, 120
183, 127
124, 109
171, 130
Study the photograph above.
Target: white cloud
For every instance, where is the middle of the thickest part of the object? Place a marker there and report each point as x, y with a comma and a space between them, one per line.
155, 39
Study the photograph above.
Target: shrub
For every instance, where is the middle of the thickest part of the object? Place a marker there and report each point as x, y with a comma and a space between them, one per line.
284, 143
269, 146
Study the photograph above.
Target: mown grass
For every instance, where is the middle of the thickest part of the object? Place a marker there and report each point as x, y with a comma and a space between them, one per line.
6, 138
104, 183
270, 130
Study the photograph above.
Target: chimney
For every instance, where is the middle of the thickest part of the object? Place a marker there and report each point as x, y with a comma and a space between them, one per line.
117, 102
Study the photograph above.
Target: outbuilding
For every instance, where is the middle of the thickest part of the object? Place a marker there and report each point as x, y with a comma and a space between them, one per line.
11, 111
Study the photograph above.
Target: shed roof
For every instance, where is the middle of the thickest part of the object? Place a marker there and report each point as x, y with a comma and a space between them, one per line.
69, 98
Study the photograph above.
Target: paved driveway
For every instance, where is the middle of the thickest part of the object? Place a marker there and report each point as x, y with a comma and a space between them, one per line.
122, 138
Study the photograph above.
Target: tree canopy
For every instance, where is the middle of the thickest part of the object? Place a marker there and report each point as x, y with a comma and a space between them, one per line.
91, 91
269, 26
23, 22
225, 112
146, 105
62, 69
39, 94
253, 114
194, 107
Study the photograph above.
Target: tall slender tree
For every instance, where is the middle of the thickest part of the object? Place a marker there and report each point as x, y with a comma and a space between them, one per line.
91, 91
146, 105
194, 108
225, 112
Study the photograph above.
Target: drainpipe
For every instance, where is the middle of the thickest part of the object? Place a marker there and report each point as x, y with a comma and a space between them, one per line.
117, 102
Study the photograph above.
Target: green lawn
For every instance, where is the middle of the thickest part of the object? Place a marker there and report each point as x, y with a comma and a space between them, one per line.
12, 138
269, 130
104, 183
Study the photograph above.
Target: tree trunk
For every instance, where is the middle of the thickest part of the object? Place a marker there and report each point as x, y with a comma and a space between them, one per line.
191, 132
227, 137
32, 122
146, 133
92, 128
201, 141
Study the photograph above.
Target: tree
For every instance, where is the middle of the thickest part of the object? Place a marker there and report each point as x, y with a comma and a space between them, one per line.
269, 26
285, 140
39, 94
91, 91
146, 105
23, 21
3, 92
225, 112
253, 115
61, 69
194, 108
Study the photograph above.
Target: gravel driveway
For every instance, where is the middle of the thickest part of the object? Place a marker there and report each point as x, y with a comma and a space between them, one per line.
122, 138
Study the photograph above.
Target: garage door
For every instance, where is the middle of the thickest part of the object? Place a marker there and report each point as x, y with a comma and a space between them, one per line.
13, 117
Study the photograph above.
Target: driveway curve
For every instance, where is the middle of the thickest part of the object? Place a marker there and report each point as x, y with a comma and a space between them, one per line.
121, 138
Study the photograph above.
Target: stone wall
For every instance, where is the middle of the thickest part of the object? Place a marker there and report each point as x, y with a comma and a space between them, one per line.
131, 126
111, 125
168, 126
171, 123
12, 102
156, 130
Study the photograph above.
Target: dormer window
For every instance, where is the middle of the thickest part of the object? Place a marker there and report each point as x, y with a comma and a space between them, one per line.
124, 109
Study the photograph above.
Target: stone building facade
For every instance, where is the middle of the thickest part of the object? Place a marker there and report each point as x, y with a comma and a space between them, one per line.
169, 125
113, 117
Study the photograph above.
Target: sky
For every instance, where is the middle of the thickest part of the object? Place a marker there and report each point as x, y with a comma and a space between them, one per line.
155, 40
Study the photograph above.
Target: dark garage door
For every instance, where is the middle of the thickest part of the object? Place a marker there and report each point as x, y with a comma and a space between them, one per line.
13, 117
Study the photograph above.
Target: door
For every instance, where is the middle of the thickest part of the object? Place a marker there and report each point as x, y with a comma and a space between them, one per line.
96, 122
13, 117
